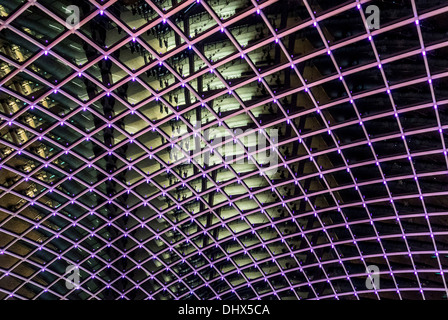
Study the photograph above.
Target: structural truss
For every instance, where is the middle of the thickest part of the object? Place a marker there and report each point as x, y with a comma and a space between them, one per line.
350, 204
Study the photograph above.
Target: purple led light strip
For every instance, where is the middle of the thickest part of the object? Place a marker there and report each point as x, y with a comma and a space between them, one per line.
201, 171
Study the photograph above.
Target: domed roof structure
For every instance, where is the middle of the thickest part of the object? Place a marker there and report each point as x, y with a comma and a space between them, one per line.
223, 149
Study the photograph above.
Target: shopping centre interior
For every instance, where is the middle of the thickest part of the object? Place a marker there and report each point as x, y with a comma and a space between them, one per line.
115, 159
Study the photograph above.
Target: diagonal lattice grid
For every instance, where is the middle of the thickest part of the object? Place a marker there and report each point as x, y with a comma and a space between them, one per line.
91, 116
